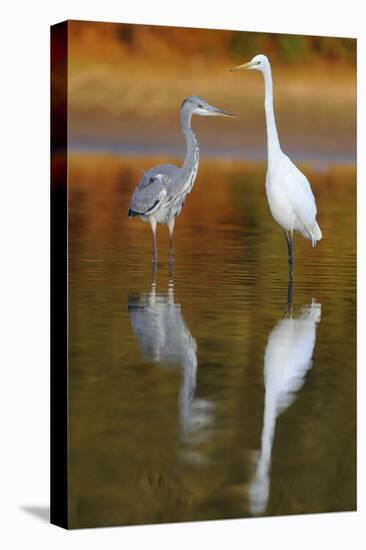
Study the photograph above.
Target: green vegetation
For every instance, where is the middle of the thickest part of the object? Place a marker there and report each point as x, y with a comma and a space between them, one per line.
112, 41
291, 48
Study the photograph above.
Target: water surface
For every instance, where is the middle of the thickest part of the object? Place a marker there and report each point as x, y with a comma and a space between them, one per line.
196, 393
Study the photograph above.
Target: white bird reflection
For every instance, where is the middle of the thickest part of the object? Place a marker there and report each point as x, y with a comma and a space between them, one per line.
164, 338
287, 359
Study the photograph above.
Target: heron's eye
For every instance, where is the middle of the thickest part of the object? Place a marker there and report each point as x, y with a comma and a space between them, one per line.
200, 106
151, 180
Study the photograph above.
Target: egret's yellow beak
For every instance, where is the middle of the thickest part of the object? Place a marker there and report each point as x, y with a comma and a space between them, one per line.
245, 66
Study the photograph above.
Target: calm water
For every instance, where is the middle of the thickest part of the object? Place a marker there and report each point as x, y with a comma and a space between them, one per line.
196, 395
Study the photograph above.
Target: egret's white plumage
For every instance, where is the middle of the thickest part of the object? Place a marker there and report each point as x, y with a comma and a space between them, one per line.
289, 194
287, 359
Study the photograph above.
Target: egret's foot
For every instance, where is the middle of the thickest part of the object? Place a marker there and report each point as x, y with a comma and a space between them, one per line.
290, 269
288, 311
171, 259
289, 306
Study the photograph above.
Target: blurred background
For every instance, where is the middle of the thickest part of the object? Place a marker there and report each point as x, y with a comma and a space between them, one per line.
125, 81
209, 322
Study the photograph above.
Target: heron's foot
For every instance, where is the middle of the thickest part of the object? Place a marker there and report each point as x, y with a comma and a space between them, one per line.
171, 253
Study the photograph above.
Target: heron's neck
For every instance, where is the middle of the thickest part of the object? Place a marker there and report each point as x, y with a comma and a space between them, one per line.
192, 153
273, 143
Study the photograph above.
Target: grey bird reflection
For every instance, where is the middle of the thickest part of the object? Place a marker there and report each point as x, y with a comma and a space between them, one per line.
287, 359
164, 338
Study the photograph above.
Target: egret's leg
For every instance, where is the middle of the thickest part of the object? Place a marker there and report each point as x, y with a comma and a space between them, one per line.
171, 229
155, 248
289, 238
289, 298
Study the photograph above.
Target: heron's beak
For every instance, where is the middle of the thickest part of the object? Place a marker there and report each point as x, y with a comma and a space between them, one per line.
245, 66
220, 112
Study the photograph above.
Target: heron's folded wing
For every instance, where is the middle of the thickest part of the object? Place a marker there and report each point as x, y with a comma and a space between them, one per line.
300, 196
169, 182
147, 195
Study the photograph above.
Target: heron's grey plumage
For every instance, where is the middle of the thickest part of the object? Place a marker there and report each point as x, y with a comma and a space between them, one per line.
164, 338
159, 197
155, 189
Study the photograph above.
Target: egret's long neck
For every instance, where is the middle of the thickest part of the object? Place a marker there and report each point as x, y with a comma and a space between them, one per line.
273, 144
192, 154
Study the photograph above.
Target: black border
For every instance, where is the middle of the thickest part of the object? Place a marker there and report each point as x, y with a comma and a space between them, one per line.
59, 271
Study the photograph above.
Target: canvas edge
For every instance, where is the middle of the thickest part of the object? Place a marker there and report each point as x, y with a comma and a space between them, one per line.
59, 279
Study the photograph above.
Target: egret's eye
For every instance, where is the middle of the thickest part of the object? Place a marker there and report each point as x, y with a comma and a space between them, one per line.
151, 179
200, 106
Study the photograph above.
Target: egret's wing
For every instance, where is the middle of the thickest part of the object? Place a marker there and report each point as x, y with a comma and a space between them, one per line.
300, 196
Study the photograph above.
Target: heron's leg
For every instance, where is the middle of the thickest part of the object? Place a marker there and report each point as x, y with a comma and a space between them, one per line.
155, 248
289, 238
171, 267
154, 271
171, 230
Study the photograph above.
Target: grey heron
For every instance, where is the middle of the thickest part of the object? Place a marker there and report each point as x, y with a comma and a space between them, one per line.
164, 339
159, 196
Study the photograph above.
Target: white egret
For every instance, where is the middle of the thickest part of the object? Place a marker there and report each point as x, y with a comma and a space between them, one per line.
287, 359
289, 194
